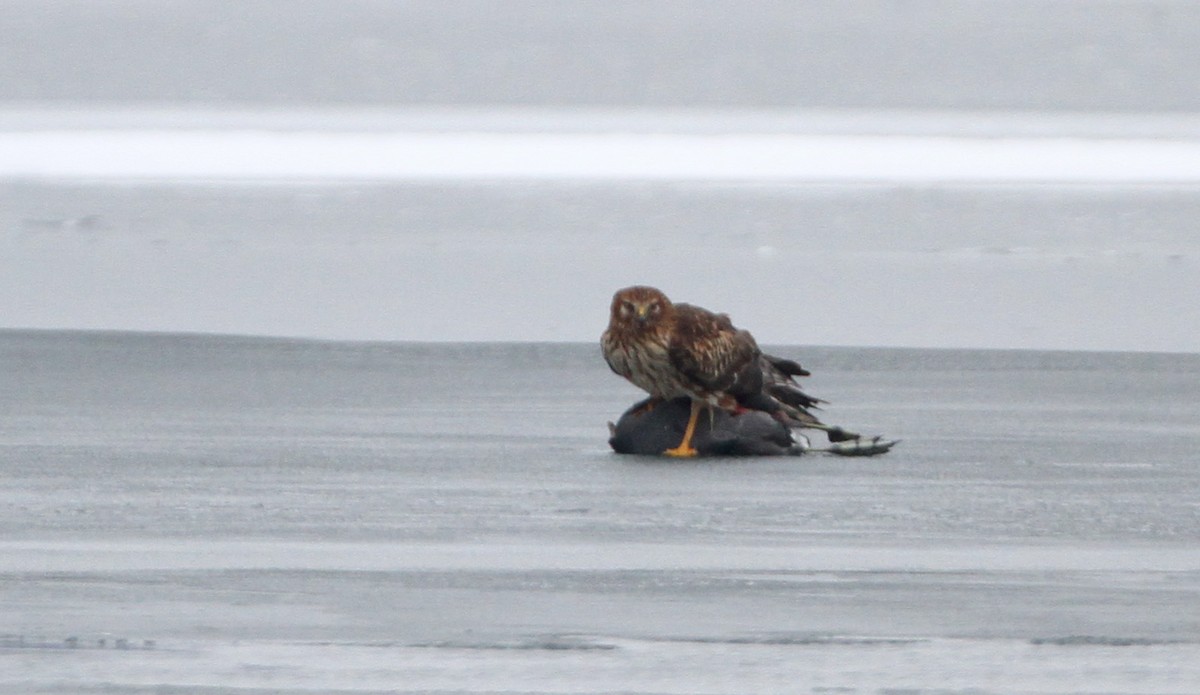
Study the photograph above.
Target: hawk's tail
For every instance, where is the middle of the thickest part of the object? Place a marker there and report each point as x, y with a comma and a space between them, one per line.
792, 405
779, 382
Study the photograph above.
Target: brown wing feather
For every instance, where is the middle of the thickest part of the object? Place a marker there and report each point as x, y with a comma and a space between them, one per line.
708, 350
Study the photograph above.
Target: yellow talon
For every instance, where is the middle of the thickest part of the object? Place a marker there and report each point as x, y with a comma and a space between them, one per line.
685, 450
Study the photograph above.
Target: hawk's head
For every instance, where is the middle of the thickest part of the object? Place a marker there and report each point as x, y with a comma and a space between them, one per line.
640, 308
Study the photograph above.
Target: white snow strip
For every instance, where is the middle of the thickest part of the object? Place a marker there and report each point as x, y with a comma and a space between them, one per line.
305, 155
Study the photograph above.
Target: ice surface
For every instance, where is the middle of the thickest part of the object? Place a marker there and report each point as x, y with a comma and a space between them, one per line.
1069, 267
188, 513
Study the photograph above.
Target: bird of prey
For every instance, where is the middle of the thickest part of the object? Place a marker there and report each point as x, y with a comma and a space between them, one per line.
671, 350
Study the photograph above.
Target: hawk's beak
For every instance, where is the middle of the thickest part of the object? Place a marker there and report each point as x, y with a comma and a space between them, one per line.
642, 311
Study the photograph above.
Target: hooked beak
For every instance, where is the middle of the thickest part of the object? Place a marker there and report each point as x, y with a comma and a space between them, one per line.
642, 312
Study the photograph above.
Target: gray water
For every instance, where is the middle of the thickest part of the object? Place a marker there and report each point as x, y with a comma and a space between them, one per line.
1083, 55
185, 513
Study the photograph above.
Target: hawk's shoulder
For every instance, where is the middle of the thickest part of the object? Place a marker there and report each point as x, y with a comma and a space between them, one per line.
693, 322
708, 349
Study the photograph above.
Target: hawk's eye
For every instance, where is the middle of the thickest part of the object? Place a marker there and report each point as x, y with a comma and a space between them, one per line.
626, 309
655, 308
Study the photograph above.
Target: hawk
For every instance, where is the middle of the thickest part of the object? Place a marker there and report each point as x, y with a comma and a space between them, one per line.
672, 350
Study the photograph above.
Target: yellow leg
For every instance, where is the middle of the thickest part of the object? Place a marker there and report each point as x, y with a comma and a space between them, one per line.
685, 450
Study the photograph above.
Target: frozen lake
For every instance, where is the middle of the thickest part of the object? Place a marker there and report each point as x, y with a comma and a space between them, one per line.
211, 514
182, 512
925, 227
1097, 266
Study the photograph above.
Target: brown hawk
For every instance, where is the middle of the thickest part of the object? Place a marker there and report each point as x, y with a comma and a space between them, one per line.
673, 350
